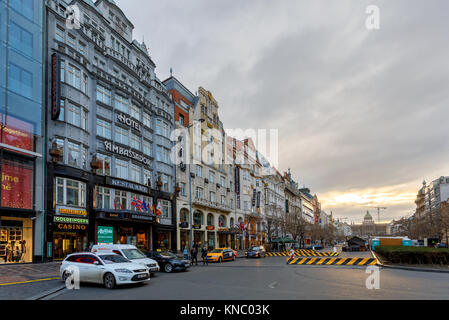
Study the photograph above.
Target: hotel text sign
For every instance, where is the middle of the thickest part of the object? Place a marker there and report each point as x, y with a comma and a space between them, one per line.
110, 146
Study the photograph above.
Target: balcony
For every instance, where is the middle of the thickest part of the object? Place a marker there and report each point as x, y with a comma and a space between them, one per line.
212, 204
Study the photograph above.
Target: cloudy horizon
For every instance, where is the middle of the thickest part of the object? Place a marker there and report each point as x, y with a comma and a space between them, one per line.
361, 113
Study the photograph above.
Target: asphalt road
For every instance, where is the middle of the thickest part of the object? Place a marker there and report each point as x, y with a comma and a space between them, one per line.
272, 279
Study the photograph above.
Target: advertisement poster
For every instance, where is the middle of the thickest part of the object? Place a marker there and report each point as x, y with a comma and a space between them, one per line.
17, 185
17, 133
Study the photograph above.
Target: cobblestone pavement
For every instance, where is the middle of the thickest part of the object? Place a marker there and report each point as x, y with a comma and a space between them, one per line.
28, 272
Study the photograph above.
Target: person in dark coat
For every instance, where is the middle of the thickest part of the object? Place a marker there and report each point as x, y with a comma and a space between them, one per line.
204, 256
194, 255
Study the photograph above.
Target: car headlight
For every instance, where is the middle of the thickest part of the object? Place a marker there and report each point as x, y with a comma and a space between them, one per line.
123, 271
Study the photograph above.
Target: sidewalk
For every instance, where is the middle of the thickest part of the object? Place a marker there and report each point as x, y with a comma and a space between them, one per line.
28, 272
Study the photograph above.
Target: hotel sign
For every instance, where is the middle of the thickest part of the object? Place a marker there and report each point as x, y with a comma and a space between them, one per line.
55, 86
111, 147
129, 122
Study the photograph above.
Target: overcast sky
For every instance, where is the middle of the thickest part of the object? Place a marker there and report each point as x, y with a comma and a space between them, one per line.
362, 114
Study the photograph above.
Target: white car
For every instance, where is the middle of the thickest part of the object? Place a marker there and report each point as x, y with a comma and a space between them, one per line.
106, 268
129, 252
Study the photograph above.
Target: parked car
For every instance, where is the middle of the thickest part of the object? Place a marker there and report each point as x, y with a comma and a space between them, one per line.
220, 255
256, 252
129, 252
442, 245
108, 269
168, 261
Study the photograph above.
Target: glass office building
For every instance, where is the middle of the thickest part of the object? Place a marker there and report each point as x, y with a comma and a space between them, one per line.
21, 63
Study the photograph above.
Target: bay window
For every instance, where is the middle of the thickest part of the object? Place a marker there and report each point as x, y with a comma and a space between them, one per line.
70, 192
121, 169
103, 198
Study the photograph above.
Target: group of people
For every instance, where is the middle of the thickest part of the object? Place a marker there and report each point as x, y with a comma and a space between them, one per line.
194, 254
15, 251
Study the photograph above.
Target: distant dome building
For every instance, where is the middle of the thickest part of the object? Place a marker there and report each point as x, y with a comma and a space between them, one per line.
368, 228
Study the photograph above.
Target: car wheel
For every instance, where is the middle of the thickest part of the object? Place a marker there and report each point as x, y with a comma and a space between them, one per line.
65, 276
109, 280
168, 268
220, 260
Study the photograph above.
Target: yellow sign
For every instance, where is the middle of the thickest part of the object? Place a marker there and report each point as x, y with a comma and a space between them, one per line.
75, 212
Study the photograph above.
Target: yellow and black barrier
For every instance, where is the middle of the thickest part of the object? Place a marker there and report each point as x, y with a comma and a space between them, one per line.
333, 261
304, 253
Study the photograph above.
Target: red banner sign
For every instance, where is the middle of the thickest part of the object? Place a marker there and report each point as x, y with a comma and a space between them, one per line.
17, 133
17, 186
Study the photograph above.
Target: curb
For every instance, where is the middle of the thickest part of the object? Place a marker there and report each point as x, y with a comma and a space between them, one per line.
47, 293
389, 266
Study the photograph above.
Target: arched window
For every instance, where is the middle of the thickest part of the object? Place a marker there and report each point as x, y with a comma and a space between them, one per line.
231, 223
210, 219
184, 215
222, 222
198, 218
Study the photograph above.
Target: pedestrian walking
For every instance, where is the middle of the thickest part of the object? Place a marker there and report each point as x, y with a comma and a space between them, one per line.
204, 256
194, 254
186, 253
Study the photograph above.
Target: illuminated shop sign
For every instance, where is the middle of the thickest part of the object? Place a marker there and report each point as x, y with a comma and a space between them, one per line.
129, 122
17, 133
70, 227
111, 147
71, 220
126, 185
17, 185
61, 210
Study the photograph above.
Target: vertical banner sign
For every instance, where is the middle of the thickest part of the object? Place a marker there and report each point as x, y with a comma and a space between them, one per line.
55, 86
258, 200
237, 185
253, 202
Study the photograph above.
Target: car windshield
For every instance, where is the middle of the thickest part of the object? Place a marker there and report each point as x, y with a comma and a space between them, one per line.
113, 258
255, 248
217, 251
169, 255
133, 254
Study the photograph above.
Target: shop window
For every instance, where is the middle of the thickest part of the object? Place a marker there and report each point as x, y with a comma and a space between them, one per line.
198, 218
15, 240
210, 219
17, 183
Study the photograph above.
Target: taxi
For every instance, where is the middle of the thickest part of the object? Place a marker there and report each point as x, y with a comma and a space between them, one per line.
220, 255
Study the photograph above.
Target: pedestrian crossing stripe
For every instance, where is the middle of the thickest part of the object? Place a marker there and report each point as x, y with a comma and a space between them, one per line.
304, 253
333, 261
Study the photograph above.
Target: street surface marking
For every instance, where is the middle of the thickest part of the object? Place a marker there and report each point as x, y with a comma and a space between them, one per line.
30, 281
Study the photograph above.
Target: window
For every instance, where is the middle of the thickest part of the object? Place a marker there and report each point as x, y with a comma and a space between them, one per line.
24, 7
166, 208
212, 196
82, 48
104, 129
21, 39
121, 103
121, 169
105, 164
70, 192
210, 219
222, 222
147, 148
184, 215
198, 218
71, 40
77, 155
62, 113
103, 95
147, 175
103, 198
135, 142
162, 154
60, 146
199, 193
231, 203
120, 200
76, 116
166, 183
135, 173
62, 71
211, 177
199, 171
20, 81
181, 119
121, 135
223, 200
73, 76
162, 128
135, 112
223, 182
147, 120
60, 33
183, 189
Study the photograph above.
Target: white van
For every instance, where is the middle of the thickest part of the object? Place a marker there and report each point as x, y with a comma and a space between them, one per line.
130, 252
